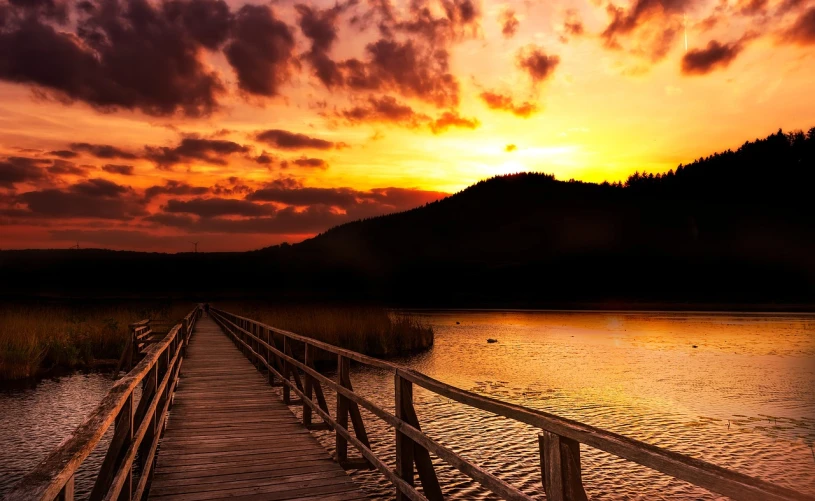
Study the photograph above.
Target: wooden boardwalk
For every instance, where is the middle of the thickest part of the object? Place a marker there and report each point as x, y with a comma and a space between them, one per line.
230, 436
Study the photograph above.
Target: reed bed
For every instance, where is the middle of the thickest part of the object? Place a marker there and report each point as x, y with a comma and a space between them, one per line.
370, 330
41, 337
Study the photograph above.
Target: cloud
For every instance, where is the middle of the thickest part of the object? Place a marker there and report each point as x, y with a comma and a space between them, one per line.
319, 26
504, 102
61, 167
572, 25
802, 32
310, 210
264, 159
262, 50
536, 63
509, 23
126, 55
210, 151
385, 109
452, 119
285, 140
63, 153
302, 196
314, 163
172, 187
214, 207
104, 151
94, 198
715, 55
124, 170
15, 170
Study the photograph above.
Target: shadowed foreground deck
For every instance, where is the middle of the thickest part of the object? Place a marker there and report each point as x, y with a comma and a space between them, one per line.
230, 436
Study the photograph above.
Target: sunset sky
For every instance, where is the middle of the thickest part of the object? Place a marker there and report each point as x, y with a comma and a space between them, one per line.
146, 125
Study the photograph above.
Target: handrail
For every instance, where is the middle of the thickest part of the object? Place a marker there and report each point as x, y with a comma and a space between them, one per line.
559, 442
137, 428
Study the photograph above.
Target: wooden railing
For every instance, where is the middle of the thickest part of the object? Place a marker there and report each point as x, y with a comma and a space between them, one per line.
137, 429
559, 441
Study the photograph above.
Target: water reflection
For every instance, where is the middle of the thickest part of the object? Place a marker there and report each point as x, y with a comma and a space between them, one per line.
743, 398
735, 390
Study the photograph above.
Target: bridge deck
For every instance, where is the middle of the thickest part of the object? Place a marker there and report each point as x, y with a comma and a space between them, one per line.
230, 436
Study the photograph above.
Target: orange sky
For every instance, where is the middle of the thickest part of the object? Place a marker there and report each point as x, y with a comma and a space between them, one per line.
368, 106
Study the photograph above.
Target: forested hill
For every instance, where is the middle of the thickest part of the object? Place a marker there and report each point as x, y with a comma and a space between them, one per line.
735, 227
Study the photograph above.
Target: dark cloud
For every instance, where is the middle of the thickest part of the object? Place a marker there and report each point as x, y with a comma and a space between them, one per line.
206, 21
94, 198
450, 119
409, 68
625, 22
803, 31
385, 109
104, 151
64, 153
264, 159
15, 170
285, 140
210, 151
509, 23
314, 163
235, 187
61, 167
302, 196
715, 55
310, 210
505, 102
751, 7
172, 187
261, 51
572, 25
124, 54
124, 170
319, 26
213, 207
536, 63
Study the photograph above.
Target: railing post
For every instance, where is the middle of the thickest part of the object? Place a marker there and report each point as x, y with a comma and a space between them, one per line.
286, 367
404, 446
67, 492
309, 361
560, 468
343, 366
421, 457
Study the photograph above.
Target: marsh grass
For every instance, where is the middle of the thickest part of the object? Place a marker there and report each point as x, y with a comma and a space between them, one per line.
370, 330
36, 337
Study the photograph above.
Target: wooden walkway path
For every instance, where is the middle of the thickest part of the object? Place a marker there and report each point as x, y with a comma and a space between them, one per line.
230, 436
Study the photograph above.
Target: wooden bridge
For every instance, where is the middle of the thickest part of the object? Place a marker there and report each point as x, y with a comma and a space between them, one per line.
229, 436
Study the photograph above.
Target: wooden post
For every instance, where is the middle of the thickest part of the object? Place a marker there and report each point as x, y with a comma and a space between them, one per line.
404, 446
144, 447
343, 366
560, 468
421, 458
309, 361
122, 438
67, 492
125, 422
286, 390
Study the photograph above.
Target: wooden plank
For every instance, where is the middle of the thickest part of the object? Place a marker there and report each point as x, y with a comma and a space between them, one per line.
230, 436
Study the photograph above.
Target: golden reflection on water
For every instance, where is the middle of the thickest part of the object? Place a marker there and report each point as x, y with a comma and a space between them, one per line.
735, 390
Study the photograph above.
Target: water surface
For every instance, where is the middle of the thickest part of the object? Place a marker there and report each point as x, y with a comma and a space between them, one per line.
735, 390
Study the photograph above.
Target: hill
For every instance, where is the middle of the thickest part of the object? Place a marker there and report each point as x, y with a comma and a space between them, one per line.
733, 228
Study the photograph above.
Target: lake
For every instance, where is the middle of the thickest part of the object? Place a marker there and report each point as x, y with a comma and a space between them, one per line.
737, 390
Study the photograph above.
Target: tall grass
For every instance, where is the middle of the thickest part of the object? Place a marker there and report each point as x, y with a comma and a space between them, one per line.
68, 336
370, 330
